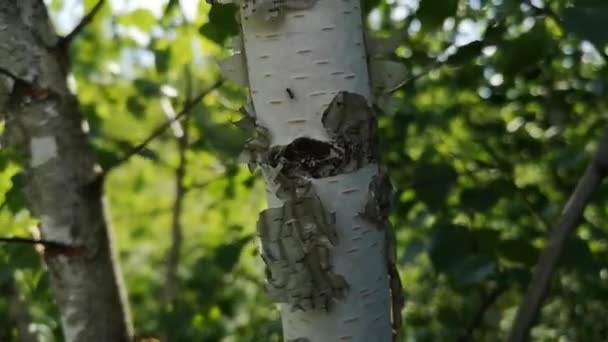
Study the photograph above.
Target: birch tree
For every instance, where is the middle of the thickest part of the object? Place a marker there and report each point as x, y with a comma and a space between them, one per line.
64, 183
325, 238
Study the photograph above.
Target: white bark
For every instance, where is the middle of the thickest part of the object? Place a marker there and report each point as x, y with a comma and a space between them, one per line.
316, 53
359, 256
300, 54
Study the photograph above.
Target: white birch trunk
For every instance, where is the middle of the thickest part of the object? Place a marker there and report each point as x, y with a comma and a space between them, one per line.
306, 67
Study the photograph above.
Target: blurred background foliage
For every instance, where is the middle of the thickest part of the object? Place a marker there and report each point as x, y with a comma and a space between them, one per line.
505, 101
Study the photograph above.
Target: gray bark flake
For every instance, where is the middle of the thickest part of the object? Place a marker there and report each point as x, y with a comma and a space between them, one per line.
351, 124
296, 240
376, 210
379, 200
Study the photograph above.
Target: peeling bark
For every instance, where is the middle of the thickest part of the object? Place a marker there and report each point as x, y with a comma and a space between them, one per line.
325, 238
64, 188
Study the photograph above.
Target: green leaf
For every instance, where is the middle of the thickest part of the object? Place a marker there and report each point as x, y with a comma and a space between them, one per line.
432, 13
518, 251
146, 87
222, 23
227, 255
107, 155
21, 256
162, 60
524, 52
368, 5
449, 244
41, 287
454, 251
432, 183
135, 106
472, 270
486, 240
170, 6
15, 197
466, 53
480, 198
141, 18
587, 19
412, 250
226, 139
578, 256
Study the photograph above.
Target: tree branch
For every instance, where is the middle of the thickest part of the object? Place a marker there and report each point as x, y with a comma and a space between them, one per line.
173, 257
51, 247
86, 20
163, 127
547, 263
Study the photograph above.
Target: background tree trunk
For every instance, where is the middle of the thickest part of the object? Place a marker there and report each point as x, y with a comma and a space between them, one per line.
324, 238
64, 185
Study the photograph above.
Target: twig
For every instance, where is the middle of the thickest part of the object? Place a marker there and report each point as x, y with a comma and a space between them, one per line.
28, 241
67, 40
163, 127
547, 263
427, 70
51, 247
173, 259
487, 302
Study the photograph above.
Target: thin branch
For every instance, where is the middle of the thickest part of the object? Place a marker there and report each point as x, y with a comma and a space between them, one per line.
427, 70
476, 45
163, 127
566, 226
173, 258
86, 20
28, 241
51, 247
487, 302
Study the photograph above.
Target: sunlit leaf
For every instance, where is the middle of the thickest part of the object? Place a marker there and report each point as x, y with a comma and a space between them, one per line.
222, 23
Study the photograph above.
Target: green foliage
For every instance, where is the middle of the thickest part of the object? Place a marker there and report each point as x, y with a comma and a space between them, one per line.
586, 19
484, 151
222, 23
432, 13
